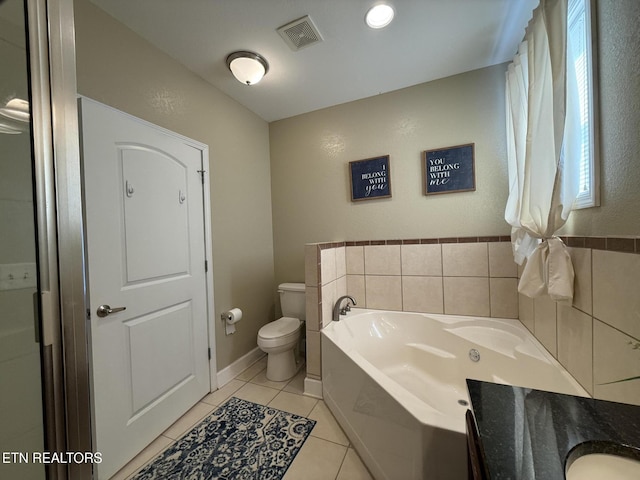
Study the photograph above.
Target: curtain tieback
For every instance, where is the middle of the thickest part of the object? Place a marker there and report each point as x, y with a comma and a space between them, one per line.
548, 270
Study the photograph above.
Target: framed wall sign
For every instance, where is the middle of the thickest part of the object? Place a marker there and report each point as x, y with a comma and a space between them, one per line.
449, 170
370, 178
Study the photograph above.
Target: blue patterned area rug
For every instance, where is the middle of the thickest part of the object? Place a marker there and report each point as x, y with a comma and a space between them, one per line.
239, 440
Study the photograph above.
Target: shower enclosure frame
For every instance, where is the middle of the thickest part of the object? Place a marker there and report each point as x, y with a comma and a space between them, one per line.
57, 176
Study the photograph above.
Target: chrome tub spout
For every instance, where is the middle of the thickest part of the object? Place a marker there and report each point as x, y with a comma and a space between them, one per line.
338, 310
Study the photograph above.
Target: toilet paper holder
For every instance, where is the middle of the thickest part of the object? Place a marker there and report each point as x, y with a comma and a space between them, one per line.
230, 318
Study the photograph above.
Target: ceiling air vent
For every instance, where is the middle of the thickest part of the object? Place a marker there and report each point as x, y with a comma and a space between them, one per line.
300, 33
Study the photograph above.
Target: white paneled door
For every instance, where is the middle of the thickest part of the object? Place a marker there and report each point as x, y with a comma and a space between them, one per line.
147, 279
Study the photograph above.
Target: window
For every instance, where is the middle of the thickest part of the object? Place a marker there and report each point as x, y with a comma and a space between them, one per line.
582, 57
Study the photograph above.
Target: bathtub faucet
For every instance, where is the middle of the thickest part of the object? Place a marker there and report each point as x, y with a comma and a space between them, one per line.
337, 310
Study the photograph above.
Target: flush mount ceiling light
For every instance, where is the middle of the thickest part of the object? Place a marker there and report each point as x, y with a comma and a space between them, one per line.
247, 67
379, 16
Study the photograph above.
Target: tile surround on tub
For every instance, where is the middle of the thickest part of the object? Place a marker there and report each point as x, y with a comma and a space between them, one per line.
465, 260
575, 344
467, 296
503, 295
616, 283
327, 265
355, 260
614, 359
383, 292
501, 262
606, 271
382, 260
421, 259
422, 294
582, 283
545, 323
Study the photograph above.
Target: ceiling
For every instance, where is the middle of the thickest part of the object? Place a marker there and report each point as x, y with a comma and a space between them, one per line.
428, 39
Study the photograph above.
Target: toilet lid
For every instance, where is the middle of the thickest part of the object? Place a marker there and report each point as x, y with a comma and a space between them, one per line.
281, 327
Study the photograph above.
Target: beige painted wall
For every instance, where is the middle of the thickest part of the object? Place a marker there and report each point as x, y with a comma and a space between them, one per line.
619, 77
310, 155
117, 67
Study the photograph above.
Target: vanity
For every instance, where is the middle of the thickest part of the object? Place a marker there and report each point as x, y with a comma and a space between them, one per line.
523, 434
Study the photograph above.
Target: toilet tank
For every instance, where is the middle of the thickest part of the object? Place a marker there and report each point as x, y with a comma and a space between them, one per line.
292, 300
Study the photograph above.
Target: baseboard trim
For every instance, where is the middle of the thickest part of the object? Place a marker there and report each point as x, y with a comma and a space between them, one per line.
313, 387
229, 373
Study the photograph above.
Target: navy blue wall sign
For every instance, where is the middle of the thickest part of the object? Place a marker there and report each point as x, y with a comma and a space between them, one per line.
449, 170
370, 178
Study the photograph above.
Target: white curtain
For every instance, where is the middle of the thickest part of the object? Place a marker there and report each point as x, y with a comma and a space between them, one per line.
543, 146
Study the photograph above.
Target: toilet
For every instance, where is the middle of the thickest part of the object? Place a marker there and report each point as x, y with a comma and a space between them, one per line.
280, 338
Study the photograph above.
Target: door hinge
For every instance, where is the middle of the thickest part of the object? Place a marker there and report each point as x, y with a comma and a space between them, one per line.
201, 172
209, 352
206, 266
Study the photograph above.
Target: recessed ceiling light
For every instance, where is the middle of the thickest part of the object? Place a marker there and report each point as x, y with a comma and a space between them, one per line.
379, 16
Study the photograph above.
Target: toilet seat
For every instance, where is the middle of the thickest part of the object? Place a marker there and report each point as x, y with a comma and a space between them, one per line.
281, 331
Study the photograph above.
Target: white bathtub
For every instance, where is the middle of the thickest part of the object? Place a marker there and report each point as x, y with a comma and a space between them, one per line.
395, 381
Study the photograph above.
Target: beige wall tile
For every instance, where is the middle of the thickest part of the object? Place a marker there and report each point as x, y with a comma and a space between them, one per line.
521, 268
355, 260
422, 294
327, 265
466, 296
465, 260
382, 260
504, 297
355, 288
425, 260
313, 353
328, 300
330, 295
544, 313
312, 309
501, 262
582, 284
614, 359
341, 286
525, 309
341, 262
616, 281
383, 292
311, 265
575, 344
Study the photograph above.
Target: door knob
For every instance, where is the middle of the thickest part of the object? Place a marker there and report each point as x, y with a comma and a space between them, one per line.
104, 310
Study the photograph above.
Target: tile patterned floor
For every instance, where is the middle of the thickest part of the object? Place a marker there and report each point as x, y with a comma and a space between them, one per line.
326, 455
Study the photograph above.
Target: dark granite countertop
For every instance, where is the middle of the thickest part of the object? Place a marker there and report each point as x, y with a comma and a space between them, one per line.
527, 434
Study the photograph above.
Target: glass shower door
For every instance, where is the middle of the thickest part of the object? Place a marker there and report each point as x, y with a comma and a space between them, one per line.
21, 411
